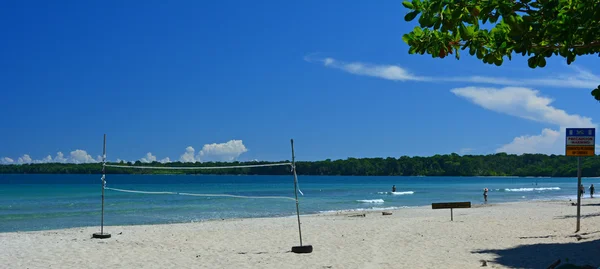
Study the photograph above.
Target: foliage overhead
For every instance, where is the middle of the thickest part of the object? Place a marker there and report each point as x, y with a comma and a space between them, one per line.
500, 164
539, 29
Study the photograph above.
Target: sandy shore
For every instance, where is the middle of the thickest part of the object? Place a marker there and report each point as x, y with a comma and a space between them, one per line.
513, 235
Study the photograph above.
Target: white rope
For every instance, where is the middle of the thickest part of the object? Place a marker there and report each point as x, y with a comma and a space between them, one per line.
204, 195
145, 192
238, 196
198, 168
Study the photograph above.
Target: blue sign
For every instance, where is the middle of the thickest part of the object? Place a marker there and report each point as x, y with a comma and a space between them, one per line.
581, 132
580, 142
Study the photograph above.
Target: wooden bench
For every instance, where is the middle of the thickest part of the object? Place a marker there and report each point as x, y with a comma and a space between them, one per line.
451, 206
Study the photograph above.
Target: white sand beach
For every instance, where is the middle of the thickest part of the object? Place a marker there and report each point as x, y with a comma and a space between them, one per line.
513, 235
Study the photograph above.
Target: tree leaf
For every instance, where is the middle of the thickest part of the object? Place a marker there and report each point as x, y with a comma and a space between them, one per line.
532, 62
411, 15
408, 5
541, 61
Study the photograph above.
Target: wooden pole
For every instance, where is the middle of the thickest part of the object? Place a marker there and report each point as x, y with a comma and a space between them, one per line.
296, 191
102, 235
103, 176
451, 215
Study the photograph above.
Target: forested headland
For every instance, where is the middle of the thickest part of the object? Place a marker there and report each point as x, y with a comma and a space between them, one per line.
499, 164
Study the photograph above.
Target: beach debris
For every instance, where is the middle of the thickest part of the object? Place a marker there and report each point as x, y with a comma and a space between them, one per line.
358, 215
483, 263
386, 213
578, 237
554, 264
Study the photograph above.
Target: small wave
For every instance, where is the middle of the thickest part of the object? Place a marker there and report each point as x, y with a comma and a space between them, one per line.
374, 201
534, 189
396, 192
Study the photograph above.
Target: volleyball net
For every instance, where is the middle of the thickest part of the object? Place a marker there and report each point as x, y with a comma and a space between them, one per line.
197, 168
297, 249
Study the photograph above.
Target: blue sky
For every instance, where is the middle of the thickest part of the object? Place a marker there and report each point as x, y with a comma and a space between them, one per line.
238, 79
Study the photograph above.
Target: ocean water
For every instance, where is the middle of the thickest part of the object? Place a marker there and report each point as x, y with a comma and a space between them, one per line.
40, 202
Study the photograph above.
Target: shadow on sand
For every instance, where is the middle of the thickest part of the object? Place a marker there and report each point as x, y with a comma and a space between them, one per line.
583, 216
543, 255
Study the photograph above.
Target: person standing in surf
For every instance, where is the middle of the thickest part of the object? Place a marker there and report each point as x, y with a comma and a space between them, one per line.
485, 191
394, 188
592, 189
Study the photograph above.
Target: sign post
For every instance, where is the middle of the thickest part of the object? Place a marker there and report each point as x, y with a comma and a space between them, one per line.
580, 142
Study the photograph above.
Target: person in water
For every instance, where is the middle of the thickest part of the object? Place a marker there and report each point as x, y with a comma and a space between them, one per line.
592, 189
485, 191
581, 190
394, 188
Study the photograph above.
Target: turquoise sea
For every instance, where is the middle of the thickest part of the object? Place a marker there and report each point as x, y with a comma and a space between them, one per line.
40, 202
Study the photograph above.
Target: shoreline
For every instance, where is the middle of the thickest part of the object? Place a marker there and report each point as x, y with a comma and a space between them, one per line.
528, 234
316, 214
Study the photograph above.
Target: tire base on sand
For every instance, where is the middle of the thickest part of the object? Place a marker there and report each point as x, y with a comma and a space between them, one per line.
302, 249
101, 235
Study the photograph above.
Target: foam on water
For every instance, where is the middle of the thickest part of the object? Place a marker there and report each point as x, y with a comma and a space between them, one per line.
396, 192
534, 189
372, 201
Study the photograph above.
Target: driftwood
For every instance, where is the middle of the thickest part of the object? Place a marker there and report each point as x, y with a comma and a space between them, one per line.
552, 266
386, 213
358, 215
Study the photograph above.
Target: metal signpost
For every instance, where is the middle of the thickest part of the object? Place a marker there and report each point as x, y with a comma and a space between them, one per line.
580, 142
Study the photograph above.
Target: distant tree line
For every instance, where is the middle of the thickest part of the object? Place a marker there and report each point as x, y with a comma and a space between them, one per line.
500, 164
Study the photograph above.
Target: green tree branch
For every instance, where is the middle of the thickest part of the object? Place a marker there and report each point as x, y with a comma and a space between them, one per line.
539, 29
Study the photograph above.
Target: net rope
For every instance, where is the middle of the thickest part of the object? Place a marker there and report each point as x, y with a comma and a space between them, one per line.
198, 168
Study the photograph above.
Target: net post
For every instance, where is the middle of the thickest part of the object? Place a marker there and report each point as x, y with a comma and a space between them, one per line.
102, 235
301, 248
578, 193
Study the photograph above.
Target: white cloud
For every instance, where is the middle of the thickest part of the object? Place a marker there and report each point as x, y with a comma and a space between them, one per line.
6, 160
522, 102
549, 142
48, 159
60, 158
188, 156
77, 156
24, 159
527, 104
148, 158
579, 79
390, 72
81, 156
228, 151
